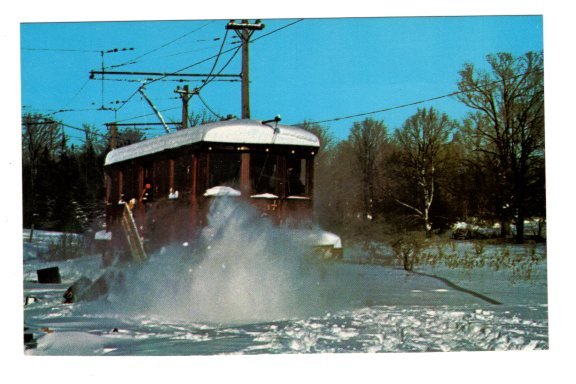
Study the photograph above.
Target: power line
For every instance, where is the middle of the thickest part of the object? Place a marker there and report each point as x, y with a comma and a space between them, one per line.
146, 115
216, 60
231, 49
72, 110
85, 130
205, 60
384, 110
135, 60
208, 107
209, 80
61, 50
77, 93
197, 50
422, 101
276, 30
105, 136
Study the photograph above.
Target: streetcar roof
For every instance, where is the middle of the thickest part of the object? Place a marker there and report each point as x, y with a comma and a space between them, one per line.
230, 131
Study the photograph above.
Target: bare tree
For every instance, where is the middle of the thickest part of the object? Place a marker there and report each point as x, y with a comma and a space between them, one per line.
130, 136
41, 139
367, 140
421, 142
508, 124
94, 141
39, 136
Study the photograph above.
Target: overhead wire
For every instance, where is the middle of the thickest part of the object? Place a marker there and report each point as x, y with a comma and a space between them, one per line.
198, 50
85, 130
204, 60
237, 49
209, 80
208, 107
61, 50
228, 50
105, 136
135, 60
146, 115
421, 101
276, 30
216, 60
77, 93
383, 110
221, 51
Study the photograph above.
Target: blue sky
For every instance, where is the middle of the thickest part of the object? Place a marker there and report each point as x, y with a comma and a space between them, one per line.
315, 69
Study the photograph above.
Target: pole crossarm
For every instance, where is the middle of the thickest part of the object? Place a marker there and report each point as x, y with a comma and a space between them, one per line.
163, 74
257, 26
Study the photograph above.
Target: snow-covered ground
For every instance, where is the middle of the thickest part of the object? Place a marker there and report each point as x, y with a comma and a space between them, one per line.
256, 296
253, 288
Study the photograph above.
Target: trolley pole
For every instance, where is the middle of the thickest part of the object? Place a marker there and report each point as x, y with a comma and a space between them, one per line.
245, 30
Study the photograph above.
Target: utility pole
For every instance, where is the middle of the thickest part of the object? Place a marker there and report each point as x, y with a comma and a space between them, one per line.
113, 135
185, 95
245, 30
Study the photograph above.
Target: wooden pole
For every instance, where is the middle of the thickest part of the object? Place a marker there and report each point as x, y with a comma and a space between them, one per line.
244, 30
113, 135
185, 98
245, 73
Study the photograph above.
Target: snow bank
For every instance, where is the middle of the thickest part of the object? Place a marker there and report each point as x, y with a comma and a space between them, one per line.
76, 343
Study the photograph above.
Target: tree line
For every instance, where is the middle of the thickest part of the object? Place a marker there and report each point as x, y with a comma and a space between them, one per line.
63, 183
434, 171
425, 175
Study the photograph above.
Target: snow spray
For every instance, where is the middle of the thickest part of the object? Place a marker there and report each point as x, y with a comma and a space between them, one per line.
242, 269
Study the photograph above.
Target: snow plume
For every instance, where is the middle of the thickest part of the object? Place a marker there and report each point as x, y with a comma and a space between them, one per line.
242, 269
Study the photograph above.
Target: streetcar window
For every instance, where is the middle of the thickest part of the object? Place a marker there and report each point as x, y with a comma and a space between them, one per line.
224, 169
264, 173
297, 177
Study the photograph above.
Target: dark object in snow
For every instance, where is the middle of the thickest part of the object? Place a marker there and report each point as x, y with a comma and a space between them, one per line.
29, 340
85, 289
49, 275
75, 290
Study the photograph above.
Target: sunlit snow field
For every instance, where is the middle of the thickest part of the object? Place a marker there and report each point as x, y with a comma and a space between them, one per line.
350, 308
253, 290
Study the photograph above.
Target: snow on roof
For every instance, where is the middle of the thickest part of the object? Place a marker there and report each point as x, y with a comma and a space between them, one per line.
230, 131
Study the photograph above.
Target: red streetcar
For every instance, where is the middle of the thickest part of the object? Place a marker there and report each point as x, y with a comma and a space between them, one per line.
160, 189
